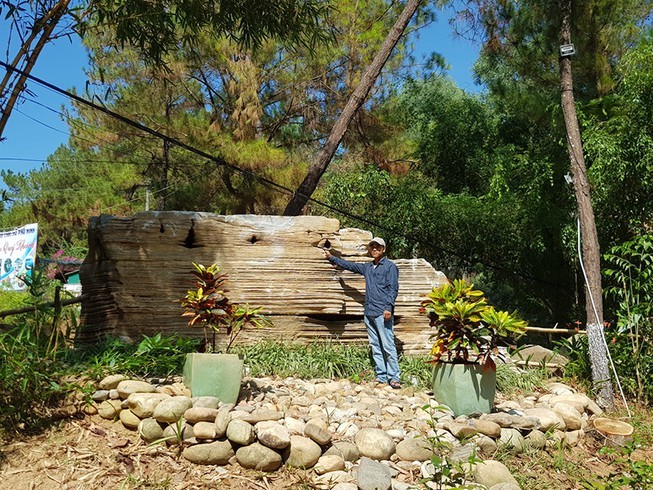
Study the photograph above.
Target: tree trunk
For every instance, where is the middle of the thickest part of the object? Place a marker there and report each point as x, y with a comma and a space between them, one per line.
54, 16
590, 242
319, 166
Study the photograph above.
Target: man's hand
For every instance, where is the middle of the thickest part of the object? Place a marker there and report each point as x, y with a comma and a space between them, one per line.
327, 254
387, 315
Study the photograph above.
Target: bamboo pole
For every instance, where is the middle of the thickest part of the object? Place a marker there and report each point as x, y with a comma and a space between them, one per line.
555, 330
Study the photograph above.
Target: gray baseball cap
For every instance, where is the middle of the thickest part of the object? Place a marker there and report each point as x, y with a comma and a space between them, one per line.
378, 240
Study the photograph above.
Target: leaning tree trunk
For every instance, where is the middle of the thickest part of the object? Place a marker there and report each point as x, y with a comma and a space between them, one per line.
590, 249
318, 167
46, 28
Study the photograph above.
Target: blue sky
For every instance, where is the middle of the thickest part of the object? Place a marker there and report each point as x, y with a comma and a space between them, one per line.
63, 62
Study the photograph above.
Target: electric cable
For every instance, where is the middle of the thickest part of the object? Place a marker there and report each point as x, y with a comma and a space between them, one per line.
596, 317
279, 187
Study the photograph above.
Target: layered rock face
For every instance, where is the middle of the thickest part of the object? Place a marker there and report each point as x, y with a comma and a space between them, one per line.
138, 269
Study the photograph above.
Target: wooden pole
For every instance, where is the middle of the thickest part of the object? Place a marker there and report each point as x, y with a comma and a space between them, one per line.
28, 309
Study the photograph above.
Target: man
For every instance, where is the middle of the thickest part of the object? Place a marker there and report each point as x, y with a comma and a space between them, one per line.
381, 288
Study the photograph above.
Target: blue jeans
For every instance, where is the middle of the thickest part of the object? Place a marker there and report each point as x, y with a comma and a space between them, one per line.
380, 333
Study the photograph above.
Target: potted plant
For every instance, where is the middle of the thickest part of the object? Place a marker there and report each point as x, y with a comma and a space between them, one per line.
468, 333
207, 304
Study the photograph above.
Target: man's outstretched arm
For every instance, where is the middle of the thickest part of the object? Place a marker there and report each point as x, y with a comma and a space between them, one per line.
345, 264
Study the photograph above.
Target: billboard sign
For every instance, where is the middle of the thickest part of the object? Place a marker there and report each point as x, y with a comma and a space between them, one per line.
17, 255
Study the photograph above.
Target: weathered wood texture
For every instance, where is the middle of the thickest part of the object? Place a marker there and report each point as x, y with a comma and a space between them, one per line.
138, 268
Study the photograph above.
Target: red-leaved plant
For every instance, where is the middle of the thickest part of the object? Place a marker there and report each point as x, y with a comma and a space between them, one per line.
209, 307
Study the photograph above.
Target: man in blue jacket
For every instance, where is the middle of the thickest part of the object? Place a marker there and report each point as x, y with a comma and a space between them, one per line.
381, 288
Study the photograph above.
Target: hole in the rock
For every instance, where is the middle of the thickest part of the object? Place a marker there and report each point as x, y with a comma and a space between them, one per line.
189, 241
327, 243
162, 229
253, 239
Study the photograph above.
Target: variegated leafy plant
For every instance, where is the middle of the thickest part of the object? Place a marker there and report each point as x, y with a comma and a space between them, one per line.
209, 307
468, 329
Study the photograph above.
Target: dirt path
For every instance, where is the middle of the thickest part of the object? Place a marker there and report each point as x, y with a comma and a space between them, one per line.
93, 453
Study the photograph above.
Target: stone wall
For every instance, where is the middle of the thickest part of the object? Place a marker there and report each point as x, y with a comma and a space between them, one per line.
138, 268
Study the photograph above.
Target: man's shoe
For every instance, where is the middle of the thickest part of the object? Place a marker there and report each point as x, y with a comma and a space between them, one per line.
395, 385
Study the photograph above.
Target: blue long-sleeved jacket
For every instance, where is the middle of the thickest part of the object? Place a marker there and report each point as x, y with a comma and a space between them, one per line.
381, 283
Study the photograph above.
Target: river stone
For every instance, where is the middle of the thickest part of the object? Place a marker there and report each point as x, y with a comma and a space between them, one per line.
569, 414
171, 433
345, 486
143, 404
548, 418
556, 388
579, 401
261, 415
461, 431
328, 463
150, 430
240, 432
487, 427
492, 472
485, 444
332, 477
111, 382
258, 457
594, 408
536, 439
373, 475
505, 486
345, 449
129, 419
572, 437
414, 449
172, 409
204, 430
302, 452
375, 443
206, 402
100, 396
218, 452
127, 387
319, 421
317, 433
536, 355
294, 426
109, 409
513, 439
500, 418
200, 414
272, 434
222, 421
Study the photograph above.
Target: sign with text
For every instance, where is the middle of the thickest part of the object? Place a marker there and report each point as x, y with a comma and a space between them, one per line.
17, 256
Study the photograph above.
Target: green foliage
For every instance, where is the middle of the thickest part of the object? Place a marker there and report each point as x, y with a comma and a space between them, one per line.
447, 472
153, 356
511, 380
159, 28
626, 471
325, 360
630, 272
466, 325
31, 379
329, 359
61, 196
209, 307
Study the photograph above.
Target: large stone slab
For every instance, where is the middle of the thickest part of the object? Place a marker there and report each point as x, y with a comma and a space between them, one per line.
138, 268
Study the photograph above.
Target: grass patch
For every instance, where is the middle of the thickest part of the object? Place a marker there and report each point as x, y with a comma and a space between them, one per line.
328, 359
512, 380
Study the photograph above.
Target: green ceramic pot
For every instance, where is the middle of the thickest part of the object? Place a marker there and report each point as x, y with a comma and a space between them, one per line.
465, 388
216, 375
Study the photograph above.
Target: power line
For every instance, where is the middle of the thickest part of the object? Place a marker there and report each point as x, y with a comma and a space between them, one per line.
279, 187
